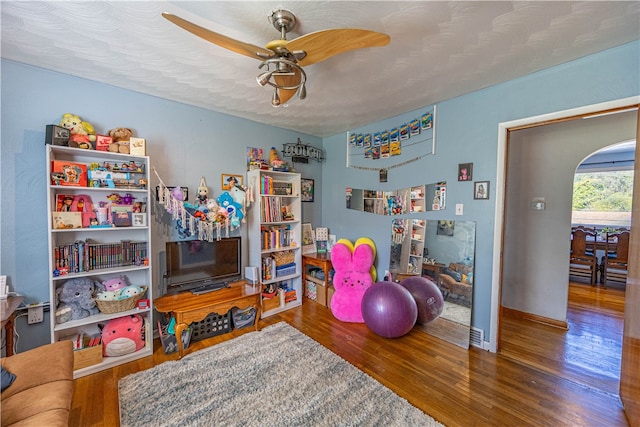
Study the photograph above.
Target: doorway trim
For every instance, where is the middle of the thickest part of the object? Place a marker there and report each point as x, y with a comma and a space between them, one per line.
504, 128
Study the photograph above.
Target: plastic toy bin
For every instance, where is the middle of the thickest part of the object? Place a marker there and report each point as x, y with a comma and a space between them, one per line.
212, 325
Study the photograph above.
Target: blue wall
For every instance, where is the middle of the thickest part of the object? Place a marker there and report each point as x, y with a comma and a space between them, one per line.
467, 131
185, 143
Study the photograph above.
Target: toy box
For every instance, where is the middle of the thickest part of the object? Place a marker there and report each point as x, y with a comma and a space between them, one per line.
68, 173
103, 142
121, 215
64, 220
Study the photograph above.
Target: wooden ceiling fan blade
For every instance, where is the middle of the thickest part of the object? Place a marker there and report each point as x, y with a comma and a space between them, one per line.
324, 44
290, 80
242, 48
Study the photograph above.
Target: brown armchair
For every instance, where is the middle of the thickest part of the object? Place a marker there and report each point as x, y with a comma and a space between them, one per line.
455, 283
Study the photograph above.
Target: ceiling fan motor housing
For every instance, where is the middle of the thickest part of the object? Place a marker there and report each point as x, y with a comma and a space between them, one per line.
283, 20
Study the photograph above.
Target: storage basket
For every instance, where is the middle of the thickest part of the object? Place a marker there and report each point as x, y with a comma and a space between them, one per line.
212, 325
283, 258
110, 307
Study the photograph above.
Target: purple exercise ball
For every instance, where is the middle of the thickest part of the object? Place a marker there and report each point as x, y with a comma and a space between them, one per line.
427, 296
389, 309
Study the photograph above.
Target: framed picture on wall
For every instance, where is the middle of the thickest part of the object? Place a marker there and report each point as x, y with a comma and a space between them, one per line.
308, 239
307, 189
481, 190
465, 171
229, 181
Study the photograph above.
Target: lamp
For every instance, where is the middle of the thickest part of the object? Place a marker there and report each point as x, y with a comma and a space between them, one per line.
282, 74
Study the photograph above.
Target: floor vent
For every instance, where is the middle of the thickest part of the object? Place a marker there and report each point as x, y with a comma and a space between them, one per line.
476, 337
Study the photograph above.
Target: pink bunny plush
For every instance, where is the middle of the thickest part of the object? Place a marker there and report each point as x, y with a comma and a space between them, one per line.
353, 276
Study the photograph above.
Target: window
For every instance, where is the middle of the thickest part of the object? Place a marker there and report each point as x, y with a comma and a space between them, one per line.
603, 198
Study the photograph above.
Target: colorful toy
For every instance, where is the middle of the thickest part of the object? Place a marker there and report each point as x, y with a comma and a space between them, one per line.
115, 283
123, 335
82, 133
389, 309
203, 193
77, 295
354, 274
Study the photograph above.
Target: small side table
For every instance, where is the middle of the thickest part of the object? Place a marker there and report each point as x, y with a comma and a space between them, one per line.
8, 313
322, 261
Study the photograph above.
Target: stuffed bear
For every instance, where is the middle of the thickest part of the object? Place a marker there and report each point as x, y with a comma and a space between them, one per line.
82, 133
123, 335
354, 274
77, 295
120, 142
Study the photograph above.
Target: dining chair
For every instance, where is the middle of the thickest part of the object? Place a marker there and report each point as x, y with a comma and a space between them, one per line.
615, 258
583, 259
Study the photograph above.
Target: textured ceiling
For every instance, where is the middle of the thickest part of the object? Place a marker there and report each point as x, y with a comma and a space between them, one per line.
438, 50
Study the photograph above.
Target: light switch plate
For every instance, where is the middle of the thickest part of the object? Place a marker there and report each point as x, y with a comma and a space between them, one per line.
459, 209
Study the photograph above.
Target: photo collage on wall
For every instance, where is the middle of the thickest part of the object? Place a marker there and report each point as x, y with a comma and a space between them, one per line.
388, 143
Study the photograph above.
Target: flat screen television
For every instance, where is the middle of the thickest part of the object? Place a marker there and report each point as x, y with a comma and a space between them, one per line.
198, 264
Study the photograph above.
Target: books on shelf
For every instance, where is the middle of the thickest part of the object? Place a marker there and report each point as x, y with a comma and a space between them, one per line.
275, 237
274, 211
269, 186
82, 255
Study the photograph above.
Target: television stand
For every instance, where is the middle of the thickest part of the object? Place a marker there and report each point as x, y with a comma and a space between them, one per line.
210, 287
188, 308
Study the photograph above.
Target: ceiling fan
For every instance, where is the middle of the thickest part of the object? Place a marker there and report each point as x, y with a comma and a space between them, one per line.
283, 59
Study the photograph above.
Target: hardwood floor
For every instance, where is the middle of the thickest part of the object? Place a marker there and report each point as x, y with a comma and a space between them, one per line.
588, 353
455, 386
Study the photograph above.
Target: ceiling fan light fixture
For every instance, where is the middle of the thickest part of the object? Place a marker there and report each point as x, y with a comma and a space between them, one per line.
302, 92
264, 78
275, 100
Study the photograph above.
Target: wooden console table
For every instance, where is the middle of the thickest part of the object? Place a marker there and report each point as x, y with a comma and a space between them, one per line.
188, 308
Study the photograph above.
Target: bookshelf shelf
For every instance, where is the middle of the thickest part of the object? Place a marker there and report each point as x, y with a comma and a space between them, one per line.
275, 235
94, 248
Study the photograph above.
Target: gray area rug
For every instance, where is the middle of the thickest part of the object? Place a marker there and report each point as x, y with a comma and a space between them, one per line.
274, 377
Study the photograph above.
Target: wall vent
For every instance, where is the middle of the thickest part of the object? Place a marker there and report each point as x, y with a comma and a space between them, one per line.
476, 337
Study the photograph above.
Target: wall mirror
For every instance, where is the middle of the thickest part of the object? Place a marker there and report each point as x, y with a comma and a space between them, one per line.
421, 198
444, 251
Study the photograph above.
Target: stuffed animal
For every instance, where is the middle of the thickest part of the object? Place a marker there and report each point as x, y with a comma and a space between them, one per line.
233, 208
82, 133
130, 291
79, 296
123, 335
115, 283
121, 137
353, 276
109, 295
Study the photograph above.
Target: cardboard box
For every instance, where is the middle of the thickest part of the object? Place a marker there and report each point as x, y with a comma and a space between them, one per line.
137, 146
321, 294
87, 356
68, 173
65, 220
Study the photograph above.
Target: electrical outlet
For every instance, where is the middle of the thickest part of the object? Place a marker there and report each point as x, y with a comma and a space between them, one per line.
35, 314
